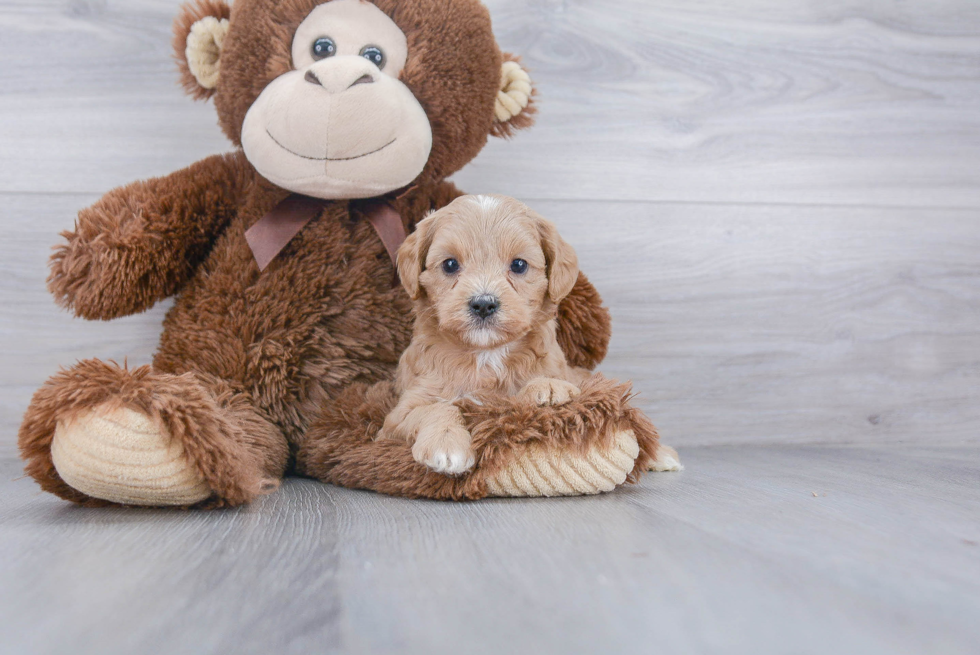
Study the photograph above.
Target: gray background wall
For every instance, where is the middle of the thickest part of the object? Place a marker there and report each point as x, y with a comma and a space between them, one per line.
780, 201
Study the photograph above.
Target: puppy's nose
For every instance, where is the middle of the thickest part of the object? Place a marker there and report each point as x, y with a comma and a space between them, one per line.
484, 306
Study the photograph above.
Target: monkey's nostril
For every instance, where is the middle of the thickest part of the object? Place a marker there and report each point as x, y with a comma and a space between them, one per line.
484, 306
363, 79
311, 78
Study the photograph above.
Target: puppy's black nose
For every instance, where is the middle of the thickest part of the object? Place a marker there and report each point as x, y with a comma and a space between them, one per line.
484, 305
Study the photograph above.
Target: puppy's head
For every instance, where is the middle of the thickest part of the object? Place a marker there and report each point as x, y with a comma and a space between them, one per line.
486, 269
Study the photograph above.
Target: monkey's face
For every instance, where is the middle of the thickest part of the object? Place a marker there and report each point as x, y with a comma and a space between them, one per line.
340, 124
342, 99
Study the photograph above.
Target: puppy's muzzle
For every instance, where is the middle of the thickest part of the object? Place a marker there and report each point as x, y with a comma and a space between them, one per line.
484, 306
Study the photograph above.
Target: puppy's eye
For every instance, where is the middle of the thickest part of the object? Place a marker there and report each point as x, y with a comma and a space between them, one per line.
450, 267
323, 47
518, 266
374, 54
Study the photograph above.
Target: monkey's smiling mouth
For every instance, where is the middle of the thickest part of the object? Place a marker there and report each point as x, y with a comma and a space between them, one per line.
276, 141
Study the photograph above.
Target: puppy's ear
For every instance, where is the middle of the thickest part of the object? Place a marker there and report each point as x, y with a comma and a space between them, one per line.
409, 264
560, 258
412, 253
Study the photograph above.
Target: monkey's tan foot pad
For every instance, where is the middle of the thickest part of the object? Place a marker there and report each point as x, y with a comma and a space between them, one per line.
541, 471
667, 460
122, 456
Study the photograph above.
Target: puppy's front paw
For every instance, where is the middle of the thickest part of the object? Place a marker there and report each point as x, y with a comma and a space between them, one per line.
549, 391
445, 449
388, 432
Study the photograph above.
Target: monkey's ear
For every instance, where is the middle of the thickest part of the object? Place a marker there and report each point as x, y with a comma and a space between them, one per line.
514, 108
410, 259
199, 33
560, 259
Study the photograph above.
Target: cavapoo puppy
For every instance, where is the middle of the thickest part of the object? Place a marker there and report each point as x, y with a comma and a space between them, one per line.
486, 274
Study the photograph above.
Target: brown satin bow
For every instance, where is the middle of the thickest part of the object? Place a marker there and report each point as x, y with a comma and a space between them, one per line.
270, 234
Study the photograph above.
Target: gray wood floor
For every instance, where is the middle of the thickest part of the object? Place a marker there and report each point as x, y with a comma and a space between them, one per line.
752, 549
780, 201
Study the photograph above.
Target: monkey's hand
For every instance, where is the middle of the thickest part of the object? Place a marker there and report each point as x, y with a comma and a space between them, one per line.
141, 243
584, 325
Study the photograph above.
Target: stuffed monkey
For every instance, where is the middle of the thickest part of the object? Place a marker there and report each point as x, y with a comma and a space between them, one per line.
347, 117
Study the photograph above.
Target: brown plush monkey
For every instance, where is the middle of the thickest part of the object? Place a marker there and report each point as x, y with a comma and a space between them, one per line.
348, 117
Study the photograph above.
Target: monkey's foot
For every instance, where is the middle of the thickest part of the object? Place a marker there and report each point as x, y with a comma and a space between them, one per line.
123, 456
667, 460
541, 471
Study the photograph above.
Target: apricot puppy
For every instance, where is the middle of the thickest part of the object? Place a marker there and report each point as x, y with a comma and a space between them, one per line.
486, 274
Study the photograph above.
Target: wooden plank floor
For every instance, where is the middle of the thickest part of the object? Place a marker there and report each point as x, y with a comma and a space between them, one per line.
734, 555
780, 202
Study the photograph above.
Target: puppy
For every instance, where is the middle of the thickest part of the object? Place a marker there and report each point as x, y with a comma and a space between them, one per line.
486, 274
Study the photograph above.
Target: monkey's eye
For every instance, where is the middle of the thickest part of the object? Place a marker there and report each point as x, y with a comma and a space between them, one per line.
323, 47
374, 54
518, 266
450, 267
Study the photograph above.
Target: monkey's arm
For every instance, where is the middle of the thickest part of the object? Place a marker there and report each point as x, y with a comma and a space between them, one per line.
584, 325
140, 243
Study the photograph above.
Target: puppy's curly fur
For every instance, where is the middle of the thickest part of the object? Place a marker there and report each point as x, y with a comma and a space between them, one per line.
487, 275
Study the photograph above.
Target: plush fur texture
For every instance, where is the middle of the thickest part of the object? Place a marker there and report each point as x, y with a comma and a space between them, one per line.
249, 360
340, 447
239, 452
143, 242
582, 322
